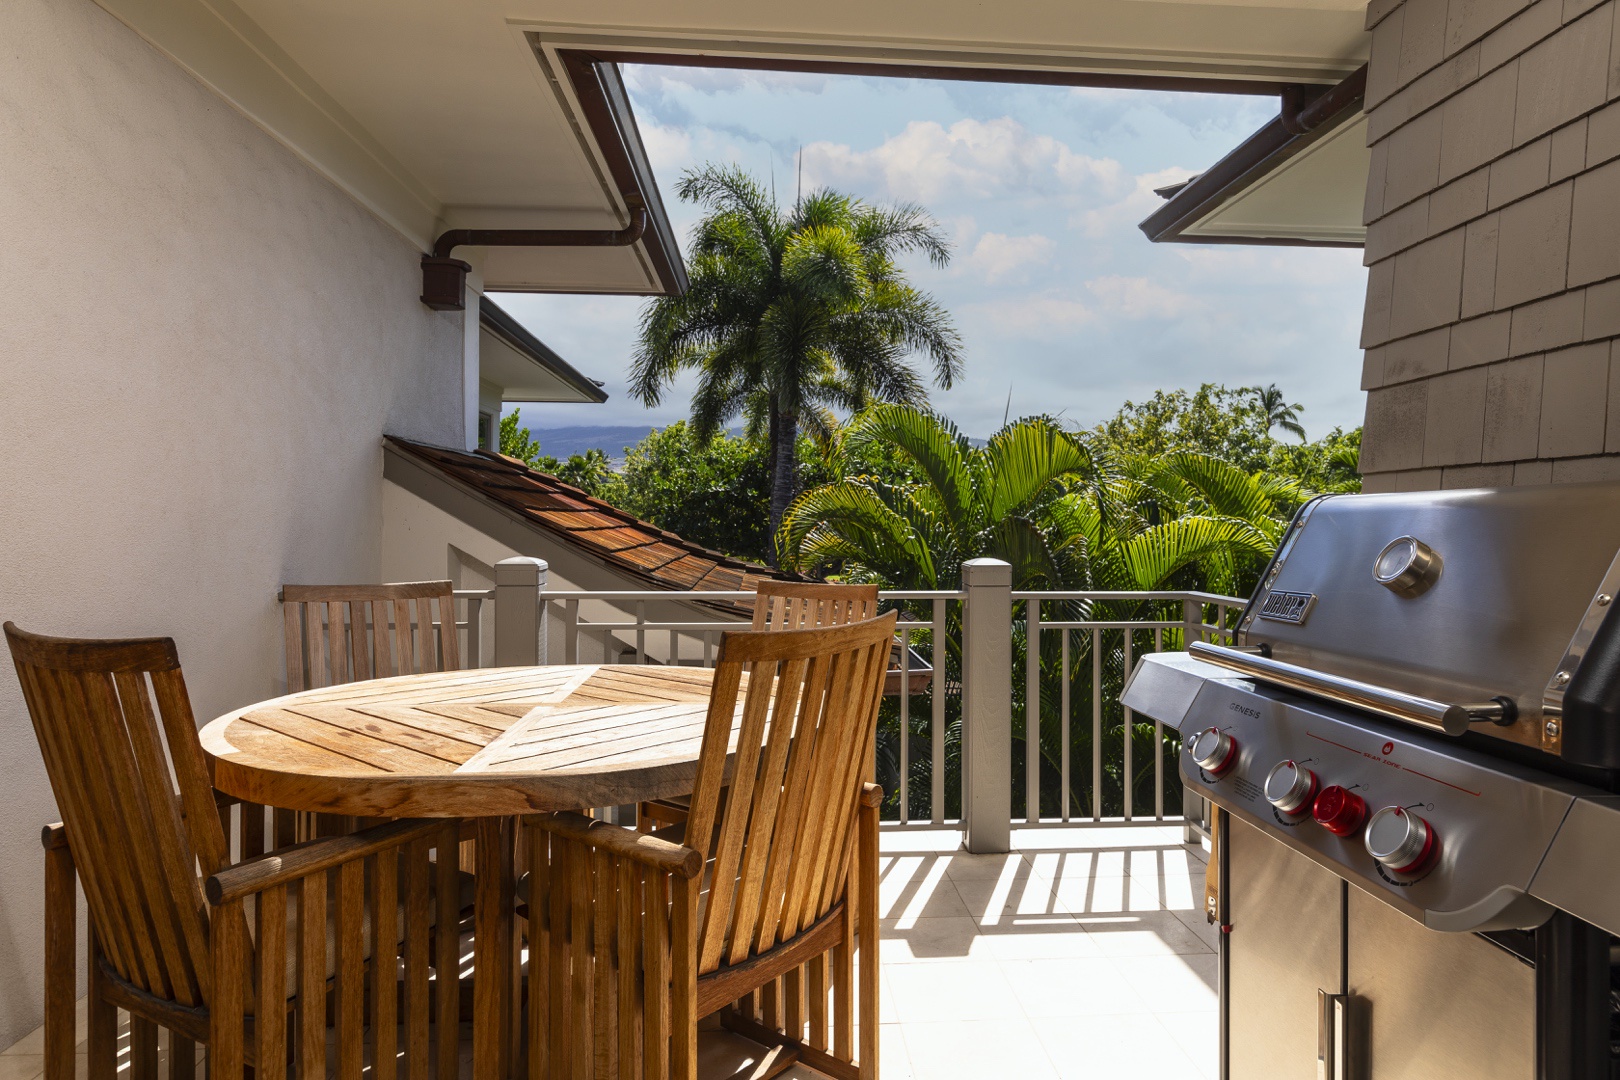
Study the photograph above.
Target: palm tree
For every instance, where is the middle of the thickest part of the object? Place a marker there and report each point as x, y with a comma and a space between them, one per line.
1038, 497
1279, 414
1066, 515
791, 315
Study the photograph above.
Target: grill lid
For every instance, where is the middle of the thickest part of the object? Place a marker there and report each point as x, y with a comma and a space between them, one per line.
1486, 610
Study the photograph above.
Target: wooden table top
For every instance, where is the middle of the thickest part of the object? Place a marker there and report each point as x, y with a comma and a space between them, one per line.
493, 741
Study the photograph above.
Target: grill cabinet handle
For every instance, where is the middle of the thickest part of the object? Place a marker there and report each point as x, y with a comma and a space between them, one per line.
1452, 719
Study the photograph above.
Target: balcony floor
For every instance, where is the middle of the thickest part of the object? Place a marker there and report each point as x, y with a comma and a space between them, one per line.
1083, 954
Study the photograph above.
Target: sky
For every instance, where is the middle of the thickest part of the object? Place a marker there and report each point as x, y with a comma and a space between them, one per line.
1063, 306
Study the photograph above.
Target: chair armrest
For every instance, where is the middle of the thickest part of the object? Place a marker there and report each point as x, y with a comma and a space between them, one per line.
289, 864
871, 795
648, 850
53, 837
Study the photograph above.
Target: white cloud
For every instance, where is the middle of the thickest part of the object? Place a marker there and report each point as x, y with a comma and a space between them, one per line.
1044, 315
1139, 298
997, 256
973, 158
670, 147
1130, 210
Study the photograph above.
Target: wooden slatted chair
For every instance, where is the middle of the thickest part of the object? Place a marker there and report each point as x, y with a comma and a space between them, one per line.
181, 938
800, 605
780, 605
634, 937
343, 633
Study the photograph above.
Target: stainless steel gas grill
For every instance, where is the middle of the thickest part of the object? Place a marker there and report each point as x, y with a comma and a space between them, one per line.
1414, 748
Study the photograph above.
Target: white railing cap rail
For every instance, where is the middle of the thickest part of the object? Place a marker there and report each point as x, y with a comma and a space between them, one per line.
1126, 594
703, 594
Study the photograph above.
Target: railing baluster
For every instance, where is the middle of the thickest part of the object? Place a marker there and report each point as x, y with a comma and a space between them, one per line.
905, 725
571, 631
708, 649
1063, 678
1032, 711
674, 648
641, 631
1096, 726
1158, 745
936, 734
1130, 771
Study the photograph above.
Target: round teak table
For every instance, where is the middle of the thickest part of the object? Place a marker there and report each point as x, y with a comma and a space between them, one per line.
487, 745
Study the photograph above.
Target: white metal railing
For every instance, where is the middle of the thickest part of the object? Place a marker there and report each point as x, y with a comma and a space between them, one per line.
1193, 610
970, 652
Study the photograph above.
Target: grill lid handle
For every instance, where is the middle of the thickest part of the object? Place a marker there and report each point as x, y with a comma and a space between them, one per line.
1452, 719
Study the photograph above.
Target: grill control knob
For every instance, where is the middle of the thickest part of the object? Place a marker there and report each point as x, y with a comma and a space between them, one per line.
1214, 750
1401, 840
1290, 787
1338, 811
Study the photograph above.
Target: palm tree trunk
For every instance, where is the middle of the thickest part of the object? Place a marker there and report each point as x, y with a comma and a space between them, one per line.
784, 473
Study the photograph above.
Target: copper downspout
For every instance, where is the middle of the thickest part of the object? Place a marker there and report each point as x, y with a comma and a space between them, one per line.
444, 279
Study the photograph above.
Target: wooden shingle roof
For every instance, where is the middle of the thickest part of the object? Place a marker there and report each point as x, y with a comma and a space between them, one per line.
630, 546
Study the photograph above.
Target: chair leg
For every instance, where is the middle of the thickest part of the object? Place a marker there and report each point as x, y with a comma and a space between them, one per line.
182, 1058
867, 926
61, 905
103, 1021
143, 1049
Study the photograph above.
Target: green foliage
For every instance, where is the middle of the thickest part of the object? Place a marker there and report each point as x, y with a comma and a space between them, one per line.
792, 314
1214, 419
517, 443
713, 491
1064, 515
1328, 465
590, 471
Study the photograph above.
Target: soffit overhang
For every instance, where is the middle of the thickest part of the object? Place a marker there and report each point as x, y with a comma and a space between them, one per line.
440, 115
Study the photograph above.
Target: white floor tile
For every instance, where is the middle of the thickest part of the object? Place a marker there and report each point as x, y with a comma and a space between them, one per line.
1132, 1047
1077, 986
977, 1050
970, 990
1198, 1035
1172, 984
1142, 933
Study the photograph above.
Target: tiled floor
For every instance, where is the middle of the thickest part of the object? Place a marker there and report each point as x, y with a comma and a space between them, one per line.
1081, 955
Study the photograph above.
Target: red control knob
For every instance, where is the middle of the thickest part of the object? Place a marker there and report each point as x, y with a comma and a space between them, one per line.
1401, 840
1214, 750
1338, 811
1290, 787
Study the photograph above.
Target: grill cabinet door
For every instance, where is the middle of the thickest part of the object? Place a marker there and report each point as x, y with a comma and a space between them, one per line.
1431, 1005
1287, 918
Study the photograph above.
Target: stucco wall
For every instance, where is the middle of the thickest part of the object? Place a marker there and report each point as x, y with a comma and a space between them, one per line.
1493, 296
202, 343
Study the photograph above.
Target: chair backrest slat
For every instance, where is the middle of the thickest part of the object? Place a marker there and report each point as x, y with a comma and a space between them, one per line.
778, 846
346, 633
802, 605
120, 745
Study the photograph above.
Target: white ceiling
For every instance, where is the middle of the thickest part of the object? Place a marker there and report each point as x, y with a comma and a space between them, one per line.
441, 113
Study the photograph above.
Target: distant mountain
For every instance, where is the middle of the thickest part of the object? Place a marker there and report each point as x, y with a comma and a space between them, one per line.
564, 442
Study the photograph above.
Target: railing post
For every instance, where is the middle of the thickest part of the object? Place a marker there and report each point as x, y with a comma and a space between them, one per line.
987, 704
520, 627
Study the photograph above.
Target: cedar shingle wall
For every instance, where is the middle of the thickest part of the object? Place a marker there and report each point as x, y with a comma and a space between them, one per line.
1493, 243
